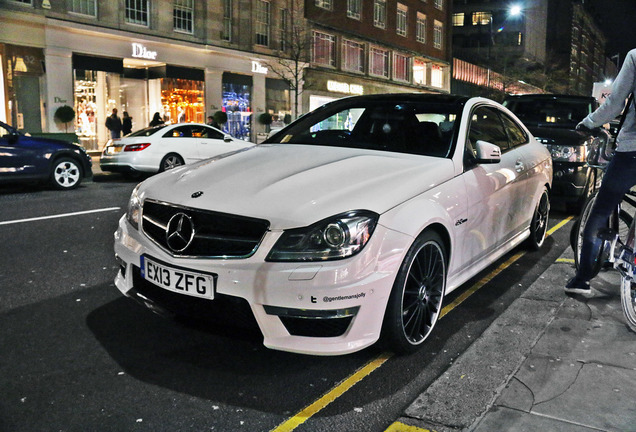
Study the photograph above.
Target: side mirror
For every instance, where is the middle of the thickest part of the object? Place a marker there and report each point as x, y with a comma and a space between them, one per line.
487, 153
227, 138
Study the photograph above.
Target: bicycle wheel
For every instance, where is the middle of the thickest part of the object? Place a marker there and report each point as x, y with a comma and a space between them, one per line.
577, 236
628, 301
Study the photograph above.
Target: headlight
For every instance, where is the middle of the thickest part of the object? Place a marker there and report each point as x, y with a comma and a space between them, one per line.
337, 237
568, 153
133, 214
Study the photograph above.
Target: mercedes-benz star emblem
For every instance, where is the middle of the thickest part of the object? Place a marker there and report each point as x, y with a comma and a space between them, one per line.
179, 232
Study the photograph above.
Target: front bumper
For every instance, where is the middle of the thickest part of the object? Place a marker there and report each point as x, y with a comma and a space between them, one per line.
570, 181
321, 308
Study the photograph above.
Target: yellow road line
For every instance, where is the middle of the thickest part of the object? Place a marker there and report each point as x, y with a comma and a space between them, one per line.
565, 260
333, 394
307, 412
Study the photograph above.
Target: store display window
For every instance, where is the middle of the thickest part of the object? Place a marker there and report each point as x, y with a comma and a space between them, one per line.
182, 100
237, 104
278, 102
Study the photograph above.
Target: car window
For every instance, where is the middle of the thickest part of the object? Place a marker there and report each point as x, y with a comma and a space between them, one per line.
556, 111
486, 125
147, 131
206, 132
4, 132
413, 127
516, 135
179, 132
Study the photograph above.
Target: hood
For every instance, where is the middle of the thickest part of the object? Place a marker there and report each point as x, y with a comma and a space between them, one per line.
558, 136
296, 185
49, 142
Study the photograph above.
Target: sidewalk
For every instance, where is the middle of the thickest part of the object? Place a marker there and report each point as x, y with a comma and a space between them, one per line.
550, 362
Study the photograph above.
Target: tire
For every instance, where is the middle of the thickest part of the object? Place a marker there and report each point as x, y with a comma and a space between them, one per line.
628, 301
170, 161
416, 298
539, 224
66, 174
576, 237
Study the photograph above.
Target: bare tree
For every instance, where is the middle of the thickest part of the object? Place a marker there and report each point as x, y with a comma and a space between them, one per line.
294, 52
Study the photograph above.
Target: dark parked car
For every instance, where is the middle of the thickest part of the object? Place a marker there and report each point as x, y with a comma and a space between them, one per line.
27, 158
552, 119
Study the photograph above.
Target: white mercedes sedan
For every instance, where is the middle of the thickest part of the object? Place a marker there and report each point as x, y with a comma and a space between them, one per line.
160, 148
348, 226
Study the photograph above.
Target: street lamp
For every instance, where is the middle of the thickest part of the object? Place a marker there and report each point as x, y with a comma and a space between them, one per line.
515, 10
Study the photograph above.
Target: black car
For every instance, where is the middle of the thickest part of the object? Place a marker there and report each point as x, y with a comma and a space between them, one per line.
552, 119
27, 158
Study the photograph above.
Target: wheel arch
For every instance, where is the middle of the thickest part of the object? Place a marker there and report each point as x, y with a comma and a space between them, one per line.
67, 154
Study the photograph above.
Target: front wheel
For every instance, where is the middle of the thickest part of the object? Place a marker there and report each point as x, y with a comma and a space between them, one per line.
66, 174
628, 301
416, 297
539, 224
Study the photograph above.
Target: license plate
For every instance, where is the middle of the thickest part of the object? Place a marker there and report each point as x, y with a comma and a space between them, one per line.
178, 280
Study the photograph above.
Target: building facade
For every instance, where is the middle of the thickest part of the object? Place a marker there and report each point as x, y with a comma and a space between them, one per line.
187, 60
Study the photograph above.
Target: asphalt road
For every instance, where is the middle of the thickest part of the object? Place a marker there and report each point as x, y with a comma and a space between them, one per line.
75, 355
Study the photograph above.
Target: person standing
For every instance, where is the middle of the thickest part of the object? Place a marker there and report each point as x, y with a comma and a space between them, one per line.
126, 124
156, 120
113, 124
619, 177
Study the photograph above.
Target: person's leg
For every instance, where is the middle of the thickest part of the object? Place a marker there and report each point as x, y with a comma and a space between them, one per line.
619, 178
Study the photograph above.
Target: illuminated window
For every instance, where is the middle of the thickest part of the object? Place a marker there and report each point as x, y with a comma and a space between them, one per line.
439, 4
458, 19
84, 7
354, 8
400, 25
419, 72
262, 22
481, 18
420, 29
379, 13
379, 62
352, 56
182, 15
438, 34
137, 12
437, 76
400, 67
323, 49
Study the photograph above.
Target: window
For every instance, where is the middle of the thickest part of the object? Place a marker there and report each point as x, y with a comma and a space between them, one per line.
325, 4
438, 34
182, 15
352, 56
323, 49
284, 18
482, 18
84, 7
25, 2
439, 4
419, 72
486, 126
420, 29
516, 135
262, 22
226, 35
400, 25
458, 19
354, 9
379, 62
437, 76
400, 67
137, 12
379, 13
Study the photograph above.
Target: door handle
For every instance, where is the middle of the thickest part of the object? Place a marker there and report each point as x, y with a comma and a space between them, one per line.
519, 167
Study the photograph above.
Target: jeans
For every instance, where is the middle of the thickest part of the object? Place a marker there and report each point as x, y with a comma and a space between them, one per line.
619, 178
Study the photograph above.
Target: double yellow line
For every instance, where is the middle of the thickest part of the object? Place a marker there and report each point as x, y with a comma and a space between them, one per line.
309, 411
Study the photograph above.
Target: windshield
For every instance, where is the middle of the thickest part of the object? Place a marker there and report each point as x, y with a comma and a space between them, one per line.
414, 128
551, 112
146, 132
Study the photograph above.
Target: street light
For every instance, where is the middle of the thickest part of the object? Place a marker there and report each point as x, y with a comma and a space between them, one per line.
515, 10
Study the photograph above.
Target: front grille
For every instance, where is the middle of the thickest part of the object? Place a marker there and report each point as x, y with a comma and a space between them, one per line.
217, 234
225, 310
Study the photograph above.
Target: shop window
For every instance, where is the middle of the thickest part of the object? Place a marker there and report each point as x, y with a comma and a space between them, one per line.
182, 100
354, 9
420, 30
84, 7
437, 76
182, 13
352, 56
137, 12
438, 34
419, 72
379, 62
262, 22
400, 67
226, 35
237, 104
21, 77
400, 26
323, 49
278, 102
379, 13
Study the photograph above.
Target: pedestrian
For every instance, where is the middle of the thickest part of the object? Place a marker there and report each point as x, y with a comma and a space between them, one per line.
113, 124
212, 122
156, 120
619, 177
126, 124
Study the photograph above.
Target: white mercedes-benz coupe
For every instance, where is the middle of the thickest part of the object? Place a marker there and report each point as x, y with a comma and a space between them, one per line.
347, 226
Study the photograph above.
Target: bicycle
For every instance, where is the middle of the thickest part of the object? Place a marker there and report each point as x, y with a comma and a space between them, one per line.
619, 236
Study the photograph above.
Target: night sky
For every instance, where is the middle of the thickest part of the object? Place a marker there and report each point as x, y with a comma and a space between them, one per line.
617, 18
